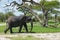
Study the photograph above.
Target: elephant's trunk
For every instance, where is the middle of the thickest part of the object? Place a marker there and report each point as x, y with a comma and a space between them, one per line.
31, 25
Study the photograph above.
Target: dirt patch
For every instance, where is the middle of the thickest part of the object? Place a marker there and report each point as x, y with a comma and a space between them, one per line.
47, 36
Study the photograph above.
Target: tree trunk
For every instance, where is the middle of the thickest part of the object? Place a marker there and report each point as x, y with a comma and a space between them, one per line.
55, 17
55, 20
45, 23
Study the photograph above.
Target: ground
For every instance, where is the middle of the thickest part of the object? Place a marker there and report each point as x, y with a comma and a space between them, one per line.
44, 36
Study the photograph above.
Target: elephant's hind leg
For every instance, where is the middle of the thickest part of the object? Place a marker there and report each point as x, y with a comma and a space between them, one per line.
5, 31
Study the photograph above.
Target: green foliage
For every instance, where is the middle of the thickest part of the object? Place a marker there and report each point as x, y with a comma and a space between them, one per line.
50, 4
8, 14
36, 7
4, 16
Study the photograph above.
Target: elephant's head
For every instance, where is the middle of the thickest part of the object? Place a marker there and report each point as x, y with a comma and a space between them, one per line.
29, 19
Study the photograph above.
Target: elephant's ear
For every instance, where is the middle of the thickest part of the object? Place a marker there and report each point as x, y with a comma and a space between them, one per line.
31, 25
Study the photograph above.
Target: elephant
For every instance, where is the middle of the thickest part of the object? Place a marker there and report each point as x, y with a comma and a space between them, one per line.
18, 21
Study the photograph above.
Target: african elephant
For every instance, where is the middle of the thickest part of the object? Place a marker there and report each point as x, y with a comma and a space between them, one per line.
18, 21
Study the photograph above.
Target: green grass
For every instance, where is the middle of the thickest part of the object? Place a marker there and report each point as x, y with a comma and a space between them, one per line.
37, 29
2, 22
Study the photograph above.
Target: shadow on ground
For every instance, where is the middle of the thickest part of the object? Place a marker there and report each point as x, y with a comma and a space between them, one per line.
23, 32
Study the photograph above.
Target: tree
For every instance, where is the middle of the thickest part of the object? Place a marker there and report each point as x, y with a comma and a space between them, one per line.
58, 18
2, 17
8, 14
24, 8
56, 12
45, 6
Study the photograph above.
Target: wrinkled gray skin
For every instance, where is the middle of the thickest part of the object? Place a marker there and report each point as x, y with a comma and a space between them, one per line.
18, 21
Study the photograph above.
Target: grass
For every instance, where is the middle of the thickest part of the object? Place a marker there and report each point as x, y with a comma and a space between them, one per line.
37, 29
2, 22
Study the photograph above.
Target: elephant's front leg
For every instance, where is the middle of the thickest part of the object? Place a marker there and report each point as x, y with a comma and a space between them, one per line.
20, 28
11, 30
25, 26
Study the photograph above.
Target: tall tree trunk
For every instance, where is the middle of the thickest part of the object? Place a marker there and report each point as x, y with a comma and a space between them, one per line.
45, 13
45, 24
56, 20
55, 17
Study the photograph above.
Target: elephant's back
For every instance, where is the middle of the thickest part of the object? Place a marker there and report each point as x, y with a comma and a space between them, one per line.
14, 20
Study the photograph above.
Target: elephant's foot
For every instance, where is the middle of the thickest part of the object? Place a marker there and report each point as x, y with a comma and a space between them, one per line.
19, 31
5, 32
30, 31
11, 32
26, 30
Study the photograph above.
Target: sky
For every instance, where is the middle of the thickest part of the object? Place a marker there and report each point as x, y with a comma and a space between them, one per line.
16, 12
2, 4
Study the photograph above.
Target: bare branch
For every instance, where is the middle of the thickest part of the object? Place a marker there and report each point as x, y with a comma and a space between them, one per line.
14, 3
